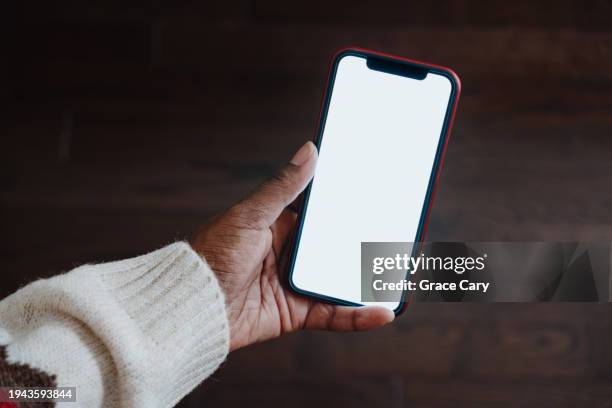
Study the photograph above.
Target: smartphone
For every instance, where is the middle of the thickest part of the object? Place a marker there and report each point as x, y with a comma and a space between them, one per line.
383, 129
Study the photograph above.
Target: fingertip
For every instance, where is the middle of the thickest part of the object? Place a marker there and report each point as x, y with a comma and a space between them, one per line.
308, 161
371, 317
389, 315
312, 147
304, 154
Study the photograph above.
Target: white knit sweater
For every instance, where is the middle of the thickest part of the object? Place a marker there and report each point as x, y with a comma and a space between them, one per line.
142, 332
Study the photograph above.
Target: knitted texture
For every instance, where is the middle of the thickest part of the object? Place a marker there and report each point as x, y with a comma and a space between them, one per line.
22, 375
139, 332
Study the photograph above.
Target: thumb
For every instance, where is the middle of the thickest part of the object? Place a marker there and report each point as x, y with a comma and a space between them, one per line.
264, 206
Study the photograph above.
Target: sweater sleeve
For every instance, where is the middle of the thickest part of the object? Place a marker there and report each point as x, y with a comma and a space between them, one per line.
141, 332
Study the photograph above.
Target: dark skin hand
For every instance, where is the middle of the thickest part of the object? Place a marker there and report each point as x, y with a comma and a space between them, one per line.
245, 245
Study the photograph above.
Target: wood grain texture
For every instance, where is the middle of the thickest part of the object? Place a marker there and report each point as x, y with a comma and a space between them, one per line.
128, 123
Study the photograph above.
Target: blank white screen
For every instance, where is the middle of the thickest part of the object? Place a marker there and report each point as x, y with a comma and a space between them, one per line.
375, 161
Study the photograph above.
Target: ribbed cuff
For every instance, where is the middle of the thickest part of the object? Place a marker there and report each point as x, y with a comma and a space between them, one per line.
141, 332
174, 298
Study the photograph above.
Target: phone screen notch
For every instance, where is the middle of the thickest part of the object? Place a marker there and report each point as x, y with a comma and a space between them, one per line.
404, 69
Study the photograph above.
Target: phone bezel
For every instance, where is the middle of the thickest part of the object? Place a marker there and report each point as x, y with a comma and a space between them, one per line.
435, 173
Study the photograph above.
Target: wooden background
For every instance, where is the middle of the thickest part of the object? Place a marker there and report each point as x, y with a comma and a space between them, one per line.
127, 123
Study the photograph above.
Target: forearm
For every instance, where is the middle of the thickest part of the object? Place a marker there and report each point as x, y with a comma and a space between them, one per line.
139, 332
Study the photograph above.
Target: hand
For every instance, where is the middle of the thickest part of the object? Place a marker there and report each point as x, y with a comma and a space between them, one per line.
243, 246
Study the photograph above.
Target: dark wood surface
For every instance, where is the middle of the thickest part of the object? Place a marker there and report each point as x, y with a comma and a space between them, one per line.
126, 124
